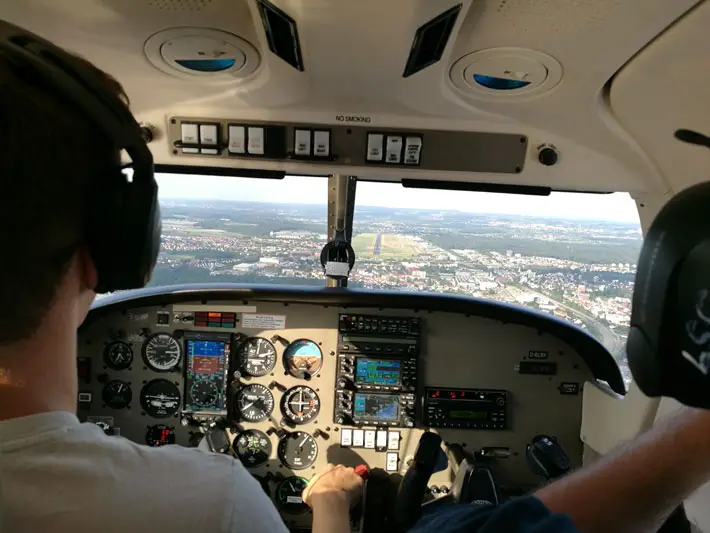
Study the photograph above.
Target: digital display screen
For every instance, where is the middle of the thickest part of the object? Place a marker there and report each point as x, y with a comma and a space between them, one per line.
387, 372
469, 415
450, 394
205, 375
376, 406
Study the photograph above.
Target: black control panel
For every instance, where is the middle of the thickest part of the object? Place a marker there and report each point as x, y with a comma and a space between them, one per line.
376, 377
465, 408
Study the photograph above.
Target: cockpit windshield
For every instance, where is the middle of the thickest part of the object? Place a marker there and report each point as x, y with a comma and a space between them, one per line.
568, 254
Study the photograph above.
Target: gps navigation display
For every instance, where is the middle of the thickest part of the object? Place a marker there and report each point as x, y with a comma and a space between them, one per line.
386, 372
383, 407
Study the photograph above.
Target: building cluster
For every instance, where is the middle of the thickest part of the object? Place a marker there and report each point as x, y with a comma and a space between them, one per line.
595, 297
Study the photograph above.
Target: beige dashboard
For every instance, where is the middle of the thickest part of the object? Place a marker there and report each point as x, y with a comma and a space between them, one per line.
456, 352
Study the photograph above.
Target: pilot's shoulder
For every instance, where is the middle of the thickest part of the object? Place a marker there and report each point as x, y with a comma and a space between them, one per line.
216, 486
166, 462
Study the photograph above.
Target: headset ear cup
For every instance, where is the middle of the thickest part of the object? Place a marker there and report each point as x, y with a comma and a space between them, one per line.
105, 238
669, 340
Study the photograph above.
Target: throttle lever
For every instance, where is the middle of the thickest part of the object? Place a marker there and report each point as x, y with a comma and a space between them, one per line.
546, 457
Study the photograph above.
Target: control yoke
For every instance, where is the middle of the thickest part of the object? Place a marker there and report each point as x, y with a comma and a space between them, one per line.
411, 492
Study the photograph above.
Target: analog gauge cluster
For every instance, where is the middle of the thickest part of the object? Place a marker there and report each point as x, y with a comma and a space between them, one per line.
257, 357
255, 402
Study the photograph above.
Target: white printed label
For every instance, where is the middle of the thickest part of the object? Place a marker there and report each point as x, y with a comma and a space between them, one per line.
358, 438
333, 268
256, 321
346, 437
392, 461
369, 438
137, 317
294, 499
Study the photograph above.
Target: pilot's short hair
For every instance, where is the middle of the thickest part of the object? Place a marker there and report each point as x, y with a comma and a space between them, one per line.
49, 153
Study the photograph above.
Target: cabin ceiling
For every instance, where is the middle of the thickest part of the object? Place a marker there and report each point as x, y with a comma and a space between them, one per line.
609, 81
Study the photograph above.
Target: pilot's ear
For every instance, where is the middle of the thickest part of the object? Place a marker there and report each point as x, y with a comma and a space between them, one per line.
89, 274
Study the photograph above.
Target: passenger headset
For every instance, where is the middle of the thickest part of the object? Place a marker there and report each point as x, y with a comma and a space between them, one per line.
668, 346
123, 224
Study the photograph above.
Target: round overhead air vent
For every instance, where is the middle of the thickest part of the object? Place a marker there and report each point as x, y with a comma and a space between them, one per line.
505, 73
200, 52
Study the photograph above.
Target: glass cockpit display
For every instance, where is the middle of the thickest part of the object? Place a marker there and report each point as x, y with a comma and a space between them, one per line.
383, 407
207, 364
386, 372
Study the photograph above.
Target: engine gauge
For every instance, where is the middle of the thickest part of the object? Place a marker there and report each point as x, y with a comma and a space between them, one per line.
252, 447
300, 405
162, 352
160, 398
117, 394
254, 402
289, 497
118, 355
160, 435
257, 356
204, 393
303, 358
298, 450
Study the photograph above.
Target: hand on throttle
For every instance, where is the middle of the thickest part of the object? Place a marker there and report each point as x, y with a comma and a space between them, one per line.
335, 481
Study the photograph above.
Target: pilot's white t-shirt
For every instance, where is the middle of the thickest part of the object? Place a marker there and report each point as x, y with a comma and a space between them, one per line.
59, 475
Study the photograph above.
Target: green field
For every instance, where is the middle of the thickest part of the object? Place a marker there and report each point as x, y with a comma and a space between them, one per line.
391, 246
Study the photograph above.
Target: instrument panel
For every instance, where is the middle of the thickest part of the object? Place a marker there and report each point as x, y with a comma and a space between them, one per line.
295, 386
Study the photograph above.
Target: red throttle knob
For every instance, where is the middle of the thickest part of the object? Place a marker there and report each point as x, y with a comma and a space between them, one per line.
362, 471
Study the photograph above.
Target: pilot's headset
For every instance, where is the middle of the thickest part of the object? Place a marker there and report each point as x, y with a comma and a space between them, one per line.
669, 342
123, 226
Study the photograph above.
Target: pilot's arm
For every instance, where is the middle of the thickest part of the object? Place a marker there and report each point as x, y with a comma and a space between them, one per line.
331, 494
632, 490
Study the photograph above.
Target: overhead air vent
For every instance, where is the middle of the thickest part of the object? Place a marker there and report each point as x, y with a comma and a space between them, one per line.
505, 73
430, 41
281, 34
213, 56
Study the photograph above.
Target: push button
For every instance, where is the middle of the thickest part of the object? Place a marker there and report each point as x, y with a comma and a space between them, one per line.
346, 437
302, 142
190, 135
208, 136
321, 143
369, 438
375, 143
255, 141
412, 150
237, 140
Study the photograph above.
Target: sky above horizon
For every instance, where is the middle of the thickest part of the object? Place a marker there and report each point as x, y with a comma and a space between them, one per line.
616, 207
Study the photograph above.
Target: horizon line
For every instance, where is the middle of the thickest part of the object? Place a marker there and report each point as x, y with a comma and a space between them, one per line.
553, 217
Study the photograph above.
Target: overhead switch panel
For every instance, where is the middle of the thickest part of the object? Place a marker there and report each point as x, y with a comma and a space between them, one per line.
338, 147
